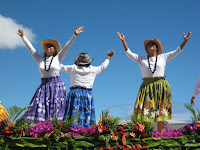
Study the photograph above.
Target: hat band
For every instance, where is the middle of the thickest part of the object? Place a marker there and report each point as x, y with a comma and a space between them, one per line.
85, 60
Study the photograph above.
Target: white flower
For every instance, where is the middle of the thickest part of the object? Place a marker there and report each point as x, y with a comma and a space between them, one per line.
88, 118
153, 114
136, 105
88, 108
76, 107
146, 111
141, 106
52, 110
157, 113
56, 99
47, 101
41, 108
164, 112
62, 99
37, 100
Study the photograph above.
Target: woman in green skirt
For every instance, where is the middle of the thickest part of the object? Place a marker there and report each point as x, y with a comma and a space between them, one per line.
153, 103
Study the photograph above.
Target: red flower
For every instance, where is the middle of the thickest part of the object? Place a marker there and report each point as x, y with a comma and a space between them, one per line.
51, 133
9, 131
134, 148
110, 148
124, 140
22, 132
122, 128
101, 128
125, 126
139, 127
121, 147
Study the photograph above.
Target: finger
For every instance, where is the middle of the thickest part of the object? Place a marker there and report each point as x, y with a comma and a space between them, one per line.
119, 34
76, 27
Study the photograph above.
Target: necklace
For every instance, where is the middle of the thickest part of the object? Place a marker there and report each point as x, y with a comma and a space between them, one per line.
155, 65
49, 64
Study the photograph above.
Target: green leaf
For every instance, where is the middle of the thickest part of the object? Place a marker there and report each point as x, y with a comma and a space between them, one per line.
83, 144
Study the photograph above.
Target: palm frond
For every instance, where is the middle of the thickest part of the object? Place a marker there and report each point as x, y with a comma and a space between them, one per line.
69, 122
191, 109
14, 112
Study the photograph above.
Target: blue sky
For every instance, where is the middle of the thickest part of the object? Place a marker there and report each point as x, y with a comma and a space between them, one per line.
117, 87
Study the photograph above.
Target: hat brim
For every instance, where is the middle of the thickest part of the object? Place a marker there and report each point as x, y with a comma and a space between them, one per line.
53, 42
158, 43
82, 63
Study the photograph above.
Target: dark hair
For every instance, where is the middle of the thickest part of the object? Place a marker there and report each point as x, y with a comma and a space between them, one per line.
87, 65
55, 50
153, 44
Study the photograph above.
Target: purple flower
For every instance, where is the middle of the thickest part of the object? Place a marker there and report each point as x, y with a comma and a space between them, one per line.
91, 130
75, 134
189, 128
84, 130
168, 132
74, 129
41, 128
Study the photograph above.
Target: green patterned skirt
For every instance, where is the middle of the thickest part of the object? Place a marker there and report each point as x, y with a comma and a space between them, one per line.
154, 102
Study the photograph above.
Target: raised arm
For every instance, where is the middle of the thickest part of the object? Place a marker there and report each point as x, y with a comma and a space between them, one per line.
29, 46
186, 38
65, 50
122, 38
105, 64
174, 53
196, 92
133, 56
66, 68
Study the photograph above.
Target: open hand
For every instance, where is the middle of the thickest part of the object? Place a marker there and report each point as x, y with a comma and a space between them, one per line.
186, 37
78, 30
193, 101
21, 32
111, 53
121, 36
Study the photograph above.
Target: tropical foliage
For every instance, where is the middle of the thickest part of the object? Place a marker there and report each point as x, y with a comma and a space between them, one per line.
108, 134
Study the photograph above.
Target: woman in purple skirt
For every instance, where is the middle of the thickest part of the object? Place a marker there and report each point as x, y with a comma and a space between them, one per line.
50, 98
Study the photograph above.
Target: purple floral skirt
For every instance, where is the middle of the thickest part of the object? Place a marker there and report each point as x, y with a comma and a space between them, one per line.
49, 101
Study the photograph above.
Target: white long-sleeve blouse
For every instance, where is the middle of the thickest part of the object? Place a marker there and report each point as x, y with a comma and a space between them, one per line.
197, 88
56, 63
161, 62
83, 76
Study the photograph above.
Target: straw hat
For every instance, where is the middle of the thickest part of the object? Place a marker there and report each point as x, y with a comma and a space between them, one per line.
53, 42
83, 59
158, 43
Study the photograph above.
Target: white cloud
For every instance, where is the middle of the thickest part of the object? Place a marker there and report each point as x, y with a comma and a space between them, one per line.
9, 39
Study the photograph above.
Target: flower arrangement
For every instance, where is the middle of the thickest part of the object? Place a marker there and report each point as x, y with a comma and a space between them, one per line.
107, 134
168, 132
